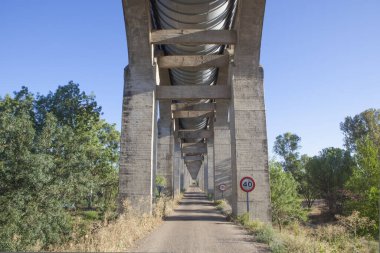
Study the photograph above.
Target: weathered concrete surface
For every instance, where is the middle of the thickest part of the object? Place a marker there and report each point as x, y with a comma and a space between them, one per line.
194, 134
137, 156
176, 167
196, 226
193, 167
193, 61
193, 92
205, 174
248, 124
210, 165
193, 36
165, 138
222, 152
164, 144
186, 177
201, 177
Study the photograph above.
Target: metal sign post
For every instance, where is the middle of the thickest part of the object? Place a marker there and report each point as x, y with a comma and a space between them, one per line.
222, 188
247, 184
247, 203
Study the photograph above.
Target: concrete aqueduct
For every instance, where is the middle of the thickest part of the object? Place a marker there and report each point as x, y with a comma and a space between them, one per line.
193, 103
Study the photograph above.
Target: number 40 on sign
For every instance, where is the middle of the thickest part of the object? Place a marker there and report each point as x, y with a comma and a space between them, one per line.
247, 184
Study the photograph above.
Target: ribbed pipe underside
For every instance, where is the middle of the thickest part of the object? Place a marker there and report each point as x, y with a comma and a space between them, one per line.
193, 14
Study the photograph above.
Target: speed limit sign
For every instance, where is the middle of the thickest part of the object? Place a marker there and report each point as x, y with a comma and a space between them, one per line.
247, 184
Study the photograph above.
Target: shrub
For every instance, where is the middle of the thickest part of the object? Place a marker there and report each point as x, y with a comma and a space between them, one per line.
265, 234
355, 224
286, 204
223, 206
90, 215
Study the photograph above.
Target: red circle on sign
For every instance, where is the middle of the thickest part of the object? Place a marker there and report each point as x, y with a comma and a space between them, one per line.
248, 187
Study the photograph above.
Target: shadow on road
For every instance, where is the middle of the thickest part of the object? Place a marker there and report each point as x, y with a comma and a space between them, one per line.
192, 207
195, 218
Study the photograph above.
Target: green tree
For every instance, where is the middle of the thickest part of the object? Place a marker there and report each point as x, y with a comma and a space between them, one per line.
85, 147
30, 209
330, 171
54, 151
356, 128
364, 184
287, 146
71, 106
305, 181
286, 204
362, 138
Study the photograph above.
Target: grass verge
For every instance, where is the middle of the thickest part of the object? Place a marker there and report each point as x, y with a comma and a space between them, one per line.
298, 238
122, 233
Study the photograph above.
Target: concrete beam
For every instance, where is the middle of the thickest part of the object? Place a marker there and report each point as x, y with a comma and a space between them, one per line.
193, 107
193, 92
193, 61
198, 148
189, 114
193, 144
197, 134
193, 36
193, 158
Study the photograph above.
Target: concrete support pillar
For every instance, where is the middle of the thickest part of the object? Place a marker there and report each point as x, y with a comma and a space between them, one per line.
139, 113
137, 156
154, 150
164, 145
186, 176
176, 167
205, 174
201, 177
182, 174
210, 165
222, 152
165, 132
247, 115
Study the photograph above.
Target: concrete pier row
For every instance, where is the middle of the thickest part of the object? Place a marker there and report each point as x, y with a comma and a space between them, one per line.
193, 102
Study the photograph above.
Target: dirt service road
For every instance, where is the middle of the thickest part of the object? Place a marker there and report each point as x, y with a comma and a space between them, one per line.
196, 226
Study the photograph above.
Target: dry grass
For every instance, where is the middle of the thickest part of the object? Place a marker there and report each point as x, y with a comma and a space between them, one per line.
298, 238
324, 238
123, 232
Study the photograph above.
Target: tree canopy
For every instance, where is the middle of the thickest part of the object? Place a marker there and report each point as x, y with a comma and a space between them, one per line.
330, 170
55, 152
287, 146
355, 129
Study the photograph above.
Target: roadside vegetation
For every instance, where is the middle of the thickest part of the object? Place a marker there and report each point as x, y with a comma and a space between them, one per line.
326, 203
59, 176
300, 238
58, 167
122, 233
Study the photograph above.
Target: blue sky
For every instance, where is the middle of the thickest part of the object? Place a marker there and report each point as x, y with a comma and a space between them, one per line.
321, 59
